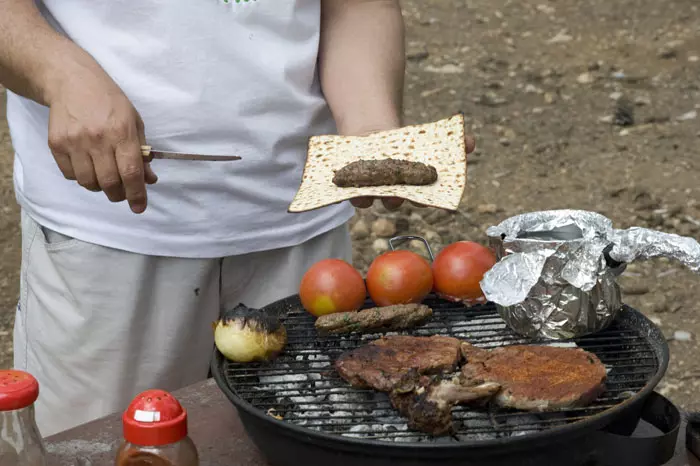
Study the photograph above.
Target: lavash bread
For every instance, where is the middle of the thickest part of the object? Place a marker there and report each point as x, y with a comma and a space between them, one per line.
440, 144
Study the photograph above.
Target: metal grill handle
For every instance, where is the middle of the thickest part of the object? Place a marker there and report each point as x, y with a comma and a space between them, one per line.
405, 238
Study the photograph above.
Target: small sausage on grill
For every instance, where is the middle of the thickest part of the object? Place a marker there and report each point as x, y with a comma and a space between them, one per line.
396, 317
385, 172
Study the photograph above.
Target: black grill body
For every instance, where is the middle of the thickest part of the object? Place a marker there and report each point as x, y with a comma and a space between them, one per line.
324, 421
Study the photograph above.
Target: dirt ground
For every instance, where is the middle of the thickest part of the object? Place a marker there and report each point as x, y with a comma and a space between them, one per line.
589, 105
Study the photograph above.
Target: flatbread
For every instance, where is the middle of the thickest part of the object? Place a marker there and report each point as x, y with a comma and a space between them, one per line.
440, 144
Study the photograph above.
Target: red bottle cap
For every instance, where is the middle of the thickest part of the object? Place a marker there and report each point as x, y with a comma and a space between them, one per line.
154, 418
18, 390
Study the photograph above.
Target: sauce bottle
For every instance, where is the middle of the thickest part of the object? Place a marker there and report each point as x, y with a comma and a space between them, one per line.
20, 441
155, 433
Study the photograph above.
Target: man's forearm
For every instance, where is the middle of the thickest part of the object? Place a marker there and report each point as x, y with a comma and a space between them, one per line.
362, 63
34, 59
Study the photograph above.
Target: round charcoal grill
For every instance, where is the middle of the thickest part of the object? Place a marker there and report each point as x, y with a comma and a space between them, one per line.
299, 411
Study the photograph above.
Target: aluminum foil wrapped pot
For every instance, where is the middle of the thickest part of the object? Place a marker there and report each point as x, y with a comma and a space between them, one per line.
557, 272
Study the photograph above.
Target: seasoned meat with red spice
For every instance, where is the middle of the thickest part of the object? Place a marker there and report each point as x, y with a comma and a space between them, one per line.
383, 364
536, 378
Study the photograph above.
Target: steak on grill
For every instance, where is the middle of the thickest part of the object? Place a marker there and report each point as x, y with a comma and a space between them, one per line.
386, 362
536, 378
397, 317
428, 404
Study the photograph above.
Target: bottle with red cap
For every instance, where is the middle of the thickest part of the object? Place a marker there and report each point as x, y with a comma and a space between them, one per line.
155, 433
20, 441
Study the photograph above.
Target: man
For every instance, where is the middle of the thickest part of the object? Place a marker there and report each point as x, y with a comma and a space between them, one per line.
112, 303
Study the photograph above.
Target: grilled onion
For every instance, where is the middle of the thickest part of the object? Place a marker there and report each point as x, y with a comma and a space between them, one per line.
244, 334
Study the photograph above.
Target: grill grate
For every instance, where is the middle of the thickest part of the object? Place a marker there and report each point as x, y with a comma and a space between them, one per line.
302, 387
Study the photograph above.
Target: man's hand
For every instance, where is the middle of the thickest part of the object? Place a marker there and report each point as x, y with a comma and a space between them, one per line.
393, 203
95, 135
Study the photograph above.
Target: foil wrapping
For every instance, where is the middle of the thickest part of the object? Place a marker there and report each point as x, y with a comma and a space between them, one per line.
641, 243
556, 277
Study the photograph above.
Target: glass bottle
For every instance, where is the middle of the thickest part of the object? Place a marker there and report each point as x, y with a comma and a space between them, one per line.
155, 433
20, 441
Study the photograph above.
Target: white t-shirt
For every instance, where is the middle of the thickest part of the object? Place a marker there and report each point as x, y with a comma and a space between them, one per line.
207, 76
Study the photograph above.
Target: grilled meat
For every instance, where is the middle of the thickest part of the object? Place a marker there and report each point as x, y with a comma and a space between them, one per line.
536, 378
428, 406
397, 317
410, 369
385, 172
384, 363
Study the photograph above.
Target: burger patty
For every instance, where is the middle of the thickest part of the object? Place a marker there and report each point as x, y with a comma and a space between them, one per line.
384, 363
385, 172
536, 378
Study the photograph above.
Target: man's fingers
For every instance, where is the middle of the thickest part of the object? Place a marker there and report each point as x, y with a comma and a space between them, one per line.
470, 144
84, 171
108, 175
420, 206
392, 203
64, 164
132, 172
151, 177
362, 202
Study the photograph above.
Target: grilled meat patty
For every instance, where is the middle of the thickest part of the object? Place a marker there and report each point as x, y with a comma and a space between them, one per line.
536, 378
385, 172
397, 317
428, 405
383, 364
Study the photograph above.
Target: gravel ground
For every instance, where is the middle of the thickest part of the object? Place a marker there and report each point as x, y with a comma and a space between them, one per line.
591, 105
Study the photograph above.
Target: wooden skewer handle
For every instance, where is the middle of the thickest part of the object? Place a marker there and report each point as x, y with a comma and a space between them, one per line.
145, 151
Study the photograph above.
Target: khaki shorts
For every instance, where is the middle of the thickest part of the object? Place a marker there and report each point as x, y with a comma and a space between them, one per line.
96, 326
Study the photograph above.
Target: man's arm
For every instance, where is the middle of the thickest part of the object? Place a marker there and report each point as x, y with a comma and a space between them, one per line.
35, 59
95, 133
362, 64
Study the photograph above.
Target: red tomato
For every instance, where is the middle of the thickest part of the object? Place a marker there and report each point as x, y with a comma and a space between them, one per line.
459, 268
399, 277
332, 285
